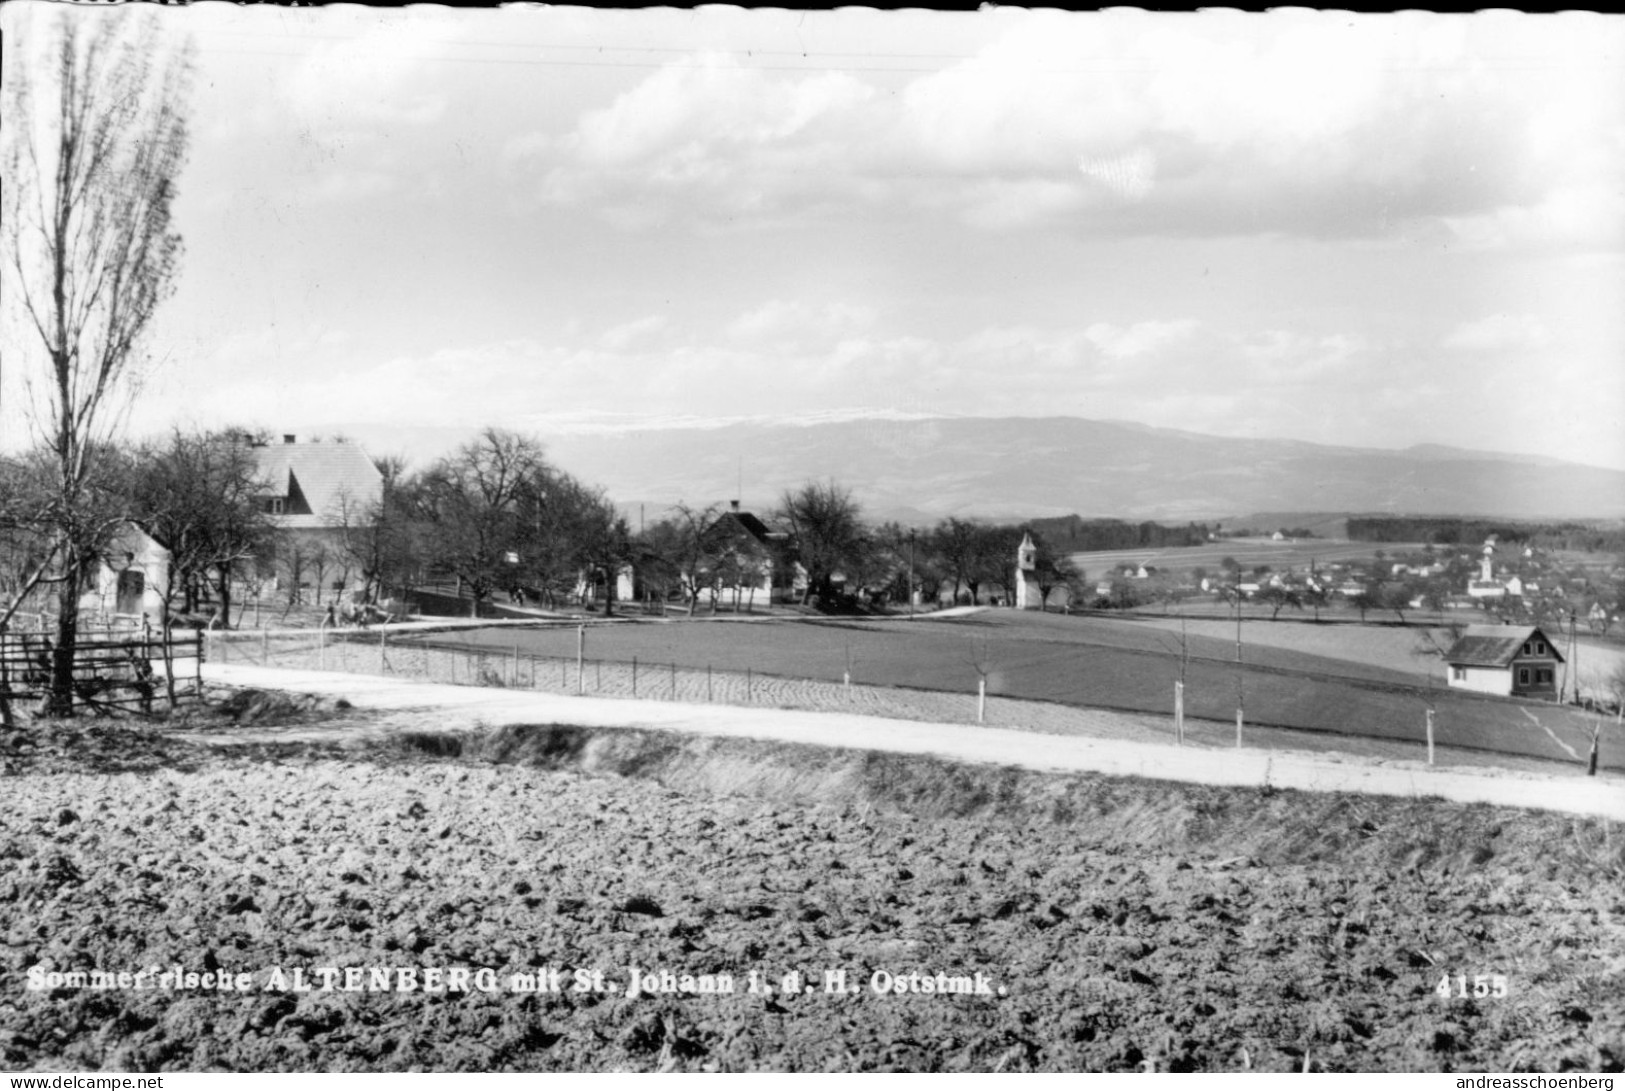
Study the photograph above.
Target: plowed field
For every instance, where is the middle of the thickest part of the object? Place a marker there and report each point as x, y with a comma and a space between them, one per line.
1116, 924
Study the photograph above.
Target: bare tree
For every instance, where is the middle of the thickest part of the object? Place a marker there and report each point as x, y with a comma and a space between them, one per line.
483, 506
962, 547
827, 532
199, 494
375, 537
1278, 598
96, 139
693, 555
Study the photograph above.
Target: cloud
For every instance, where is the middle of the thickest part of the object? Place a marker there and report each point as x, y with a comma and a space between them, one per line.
1497, 333
1128, 176
707, 128
1141, 338
373, 79
338, 186
631, 333
782, 322
1504, 128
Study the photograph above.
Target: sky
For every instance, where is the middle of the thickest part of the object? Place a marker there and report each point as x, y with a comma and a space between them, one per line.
1368, 230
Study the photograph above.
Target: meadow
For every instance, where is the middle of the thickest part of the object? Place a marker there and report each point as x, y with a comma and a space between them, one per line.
1111, 663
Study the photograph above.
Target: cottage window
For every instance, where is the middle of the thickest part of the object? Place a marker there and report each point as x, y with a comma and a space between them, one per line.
1543, 676
1458, 673
1523, 676
1540, 647
1526, 648
274, 505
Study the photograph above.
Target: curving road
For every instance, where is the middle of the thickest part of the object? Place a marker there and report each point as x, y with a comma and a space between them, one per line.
468, 708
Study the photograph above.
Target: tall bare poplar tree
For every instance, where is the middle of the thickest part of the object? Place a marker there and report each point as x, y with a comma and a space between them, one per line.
94, 139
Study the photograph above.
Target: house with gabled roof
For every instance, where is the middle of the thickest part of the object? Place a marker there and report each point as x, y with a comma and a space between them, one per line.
1506, 660
318, 486
317, 493
752, 557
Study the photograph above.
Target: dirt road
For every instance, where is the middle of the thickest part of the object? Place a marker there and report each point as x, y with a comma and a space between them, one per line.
454, 707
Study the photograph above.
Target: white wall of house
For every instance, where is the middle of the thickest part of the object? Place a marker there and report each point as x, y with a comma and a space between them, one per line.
1496, 680
146, 560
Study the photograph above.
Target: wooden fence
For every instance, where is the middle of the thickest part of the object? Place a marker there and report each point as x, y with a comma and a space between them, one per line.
113, 670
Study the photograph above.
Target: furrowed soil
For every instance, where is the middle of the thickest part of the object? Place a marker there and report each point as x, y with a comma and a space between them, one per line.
1120, 924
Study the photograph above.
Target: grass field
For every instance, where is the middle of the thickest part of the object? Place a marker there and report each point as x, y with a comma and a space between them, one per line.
1402, 648
1090, 661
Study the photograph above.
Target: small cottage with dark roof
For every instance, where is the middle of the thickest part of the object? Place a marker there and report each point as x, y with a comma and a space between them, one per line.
1506, 660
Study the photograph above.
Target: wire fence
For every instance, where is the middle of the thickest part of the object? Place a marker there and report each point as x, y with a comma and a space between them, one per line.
1275, 699
377, 652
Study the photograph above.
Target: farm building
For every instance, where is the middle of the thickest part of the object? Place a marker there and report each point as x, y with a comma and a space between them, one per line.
1506, 660
318, 488
752, 560
317, 493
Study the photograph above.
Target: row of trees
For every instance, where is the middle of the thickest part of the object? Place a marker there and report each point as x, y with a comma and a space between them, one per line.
843, 560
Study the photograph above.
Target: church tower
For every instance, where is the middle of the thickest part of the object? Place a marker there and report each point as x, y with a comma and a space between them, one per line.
1028, 596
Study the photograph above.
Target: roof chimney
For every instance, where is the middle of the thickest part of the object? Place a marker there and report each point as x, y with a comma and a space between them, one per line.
734, 504
288, 438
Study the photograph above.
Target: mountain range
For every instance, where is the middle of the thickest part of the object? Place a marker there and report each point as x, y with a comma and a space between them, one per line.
923, 469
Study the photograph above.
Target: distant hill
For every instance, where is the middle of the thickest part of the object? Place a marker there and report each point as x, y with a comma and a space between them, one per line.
923, 470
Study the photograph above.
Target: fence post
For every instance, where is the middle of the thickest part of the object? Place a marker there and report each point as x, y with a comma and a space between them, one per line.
321, 647
981, 699
747, 686
383, 665
1430, 736
634, 676
708, 683
1179, 712
674, 679
515, 666
265, 647
1238, 728
581, 659
197, 667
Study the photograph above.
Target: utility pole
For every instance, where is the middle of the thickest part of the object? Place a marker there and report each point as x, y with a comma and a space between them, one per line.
911, 572
1574, 654
1239, 690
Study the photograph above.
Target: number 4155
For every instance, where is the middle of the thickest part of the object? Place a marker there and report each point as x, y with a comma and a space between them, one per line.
1483, 985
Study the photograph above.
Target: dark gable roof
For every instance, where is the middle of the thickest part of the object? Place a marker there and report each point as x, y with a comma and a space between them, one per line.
743, 522
325, 476
753, 526
1495, 645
